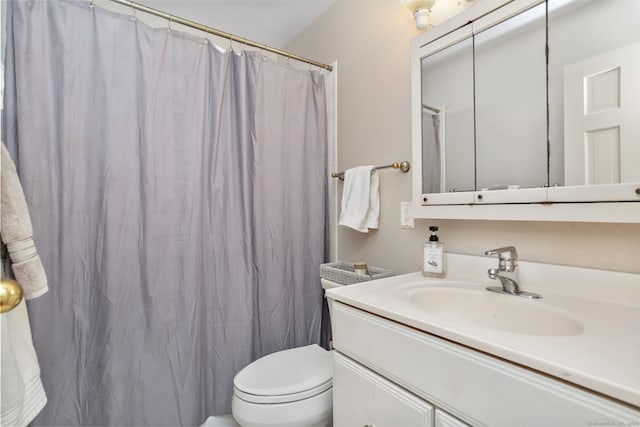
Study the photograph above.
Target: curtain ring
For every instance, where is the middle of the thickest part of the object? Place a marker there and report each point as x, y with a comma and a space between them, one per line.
169, 25
90, 3
133, 13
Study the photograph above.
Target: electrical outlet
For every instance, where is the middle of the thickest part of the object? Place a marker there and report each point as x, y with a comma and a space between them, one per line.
406, 220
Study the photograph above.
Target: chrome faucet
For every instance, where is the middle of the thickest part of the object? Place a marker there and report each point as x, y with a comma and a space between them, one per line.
507, 262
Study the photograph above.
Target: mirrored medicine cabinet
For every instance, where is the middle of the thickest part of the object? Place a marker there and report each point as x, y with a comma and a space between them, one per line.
529, 110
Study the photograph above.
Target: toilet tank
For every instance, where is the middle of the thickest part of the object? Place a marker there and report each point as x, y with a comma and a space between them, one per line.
329, 284
343, 273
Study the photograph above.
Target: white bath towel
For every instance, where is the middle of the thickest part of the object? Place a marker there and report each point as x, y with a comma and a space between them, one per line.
16, 231
21, 392
360, 199
22, 396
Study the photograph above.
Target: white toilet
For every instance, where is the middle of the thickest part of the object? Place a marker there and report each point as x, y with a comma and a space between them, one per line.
288, 388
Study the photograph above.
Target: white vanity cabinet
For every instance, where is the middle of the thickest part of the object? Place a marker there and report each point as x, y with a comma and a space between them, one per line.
445, 420
388, 374
364, 398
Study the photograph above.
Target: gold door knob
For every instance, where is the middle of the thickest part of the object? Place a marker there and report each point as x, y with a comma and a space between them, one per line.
10, 295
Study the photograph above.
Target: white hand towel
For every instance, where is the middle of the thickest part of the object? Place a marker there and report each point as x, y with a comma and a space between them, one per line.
16, 231
360, 199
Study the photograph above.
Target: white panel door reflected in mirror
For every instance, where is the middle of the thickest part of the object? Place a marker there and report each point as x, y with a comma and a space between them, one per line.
594, 90
602, 118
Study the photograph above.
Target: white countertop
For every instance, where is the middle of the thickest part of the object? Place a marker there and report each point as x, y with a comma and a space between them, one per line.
603, 357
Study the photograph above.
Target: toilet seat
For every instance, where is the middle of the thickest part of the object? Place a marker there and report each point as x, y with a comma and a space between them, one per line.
286, 376
282, 398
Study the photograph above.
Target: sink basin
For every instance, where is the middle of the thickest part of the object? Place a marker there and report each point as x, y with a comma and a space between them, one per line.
479, 307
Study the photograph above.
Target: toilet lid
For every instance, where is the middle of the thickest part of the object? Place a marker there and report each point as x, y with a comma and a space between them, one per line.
287, 375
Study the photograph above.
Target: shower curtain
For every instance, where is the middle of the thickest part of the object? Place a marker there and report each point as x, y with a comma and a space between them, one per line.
432, 152
177, 195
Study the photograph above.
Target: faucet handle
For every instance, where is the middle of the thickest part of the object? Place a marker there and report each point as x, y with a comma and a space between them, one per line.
509, 250
507, 256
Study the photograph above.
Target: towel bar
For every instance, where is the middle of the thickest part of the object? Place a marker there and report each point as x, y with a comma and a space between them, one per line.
403, 166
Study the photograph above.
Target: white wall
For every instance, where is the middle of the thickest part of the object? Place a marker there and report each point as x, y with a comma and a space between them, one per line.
370, 39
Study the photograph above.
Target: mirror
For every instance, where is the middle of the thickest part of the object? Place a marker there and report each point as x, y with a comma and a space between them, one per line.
484, 117
510, 93
447, 120
594, 91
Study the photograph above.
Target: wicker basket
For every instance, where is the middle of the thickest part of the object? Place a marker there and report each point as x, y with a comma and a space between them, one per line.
342, 272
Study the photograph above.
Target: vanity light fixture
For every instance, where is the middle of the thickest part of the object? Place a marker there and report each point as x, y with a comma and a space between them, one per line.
421, 10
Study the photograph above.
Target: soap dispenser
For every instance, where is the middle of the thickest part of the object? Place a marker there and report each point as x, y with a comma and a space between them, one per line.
433, 256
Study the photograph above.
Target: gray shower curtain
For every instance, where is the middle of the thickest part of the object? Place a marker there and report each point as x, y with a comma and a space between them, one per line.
177, 194
432, 152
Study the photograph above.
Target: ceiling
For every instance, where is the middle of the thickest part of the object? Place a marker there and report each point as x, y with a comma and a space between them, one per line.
270, 22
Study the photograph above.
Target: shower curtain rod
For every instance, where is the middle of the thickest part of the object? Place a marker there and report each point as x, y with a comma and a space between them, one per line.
204, 28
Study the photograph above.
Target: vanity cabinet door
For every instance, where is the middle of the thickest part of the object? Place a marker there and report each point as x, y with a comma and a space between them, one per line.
445, 420
364, 398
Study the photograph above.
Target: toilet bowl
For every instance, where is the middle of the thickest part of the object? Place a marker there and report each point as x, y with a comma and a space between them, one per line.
288, 388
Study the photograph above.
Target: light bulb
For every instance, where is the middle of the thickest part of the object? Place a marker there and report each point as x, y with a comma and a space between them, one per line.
421, 10
421, 16
413, 5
